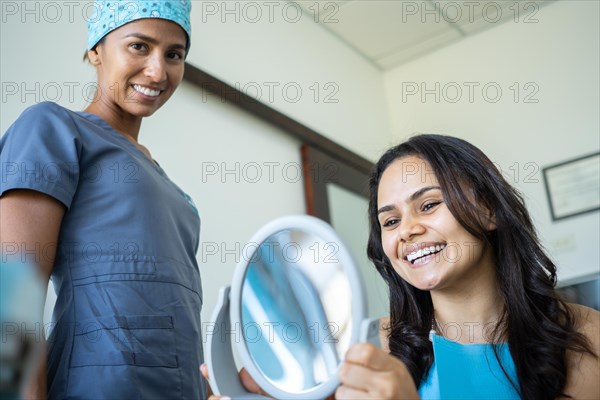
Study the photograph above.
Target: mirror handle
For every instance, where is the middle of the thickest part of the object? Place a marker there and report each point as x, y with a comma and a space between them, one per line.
369, 331
222, 371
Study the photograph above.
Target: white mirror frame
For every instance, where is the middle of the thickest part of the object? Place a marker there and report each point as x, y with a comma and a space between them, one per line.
222, 370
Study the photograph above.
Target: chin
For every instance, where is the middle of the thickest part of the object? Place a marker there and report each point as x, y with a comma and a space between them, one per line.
143, 112
147, 114
426, 283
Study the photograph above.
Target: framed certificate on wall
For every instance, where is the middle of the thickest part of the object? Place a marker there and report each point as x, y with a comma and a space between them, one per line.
573, 187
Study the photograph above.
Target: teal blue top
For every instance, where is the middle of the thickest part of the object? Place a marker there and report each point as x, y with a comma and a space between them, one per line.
469, 371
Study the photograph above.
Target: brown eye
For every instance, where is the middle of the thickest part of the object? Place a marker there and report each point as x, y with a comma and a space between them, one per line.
137, 46
430, 205
174, 55
391, 222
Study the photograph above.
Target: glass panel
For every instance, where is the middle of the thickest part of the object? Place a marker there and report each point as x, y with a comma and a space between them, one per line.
348, 213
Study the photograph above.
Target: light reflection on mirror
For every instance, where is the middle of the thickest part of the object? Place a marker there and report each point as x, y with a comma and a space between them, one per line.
296, 310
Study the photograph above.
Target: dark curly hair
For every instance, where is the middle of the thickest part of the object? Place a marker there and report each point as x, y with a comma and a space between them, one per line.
526, 276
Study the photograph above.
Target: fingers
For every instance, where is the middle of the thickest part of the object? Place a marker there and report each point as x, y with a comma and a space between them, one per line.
346, 393
247, 381
366, 380
204, 371
367, 355
209, 392
250, 384
358, 382
371, 373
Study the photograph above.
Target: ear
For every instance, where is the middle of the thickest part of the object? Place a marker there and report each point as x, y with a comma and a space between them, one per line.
93, 56
490, 221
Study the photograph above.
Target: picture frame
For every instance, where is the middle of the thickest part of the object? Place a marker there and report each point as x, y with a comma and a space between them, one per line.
573, 186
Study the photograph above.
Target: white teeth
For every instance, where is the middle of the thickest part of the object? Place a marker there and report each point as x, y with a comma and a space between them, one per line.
423, 252
146, 91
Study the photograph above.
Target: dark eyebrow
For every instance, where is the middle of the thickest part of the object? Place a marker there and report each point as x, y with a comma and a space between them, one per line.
385, 208
151, 40
412, 197
421, 192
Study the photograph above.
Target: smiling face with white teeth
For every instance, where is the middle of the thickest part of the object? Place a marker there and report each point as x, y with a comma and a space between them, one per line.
139, 67
424, 242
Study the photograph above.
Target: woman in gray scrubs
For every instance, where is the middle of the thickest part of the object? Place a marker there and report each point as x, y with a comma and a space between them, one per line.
105, 223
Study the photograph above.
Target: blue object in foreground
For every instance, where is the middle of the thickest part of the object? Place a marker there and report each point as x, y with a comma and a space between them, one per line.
21, 309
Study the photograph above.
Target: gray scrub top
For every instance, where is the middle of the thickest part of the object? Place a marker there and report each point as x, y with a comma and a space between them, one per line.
127, 319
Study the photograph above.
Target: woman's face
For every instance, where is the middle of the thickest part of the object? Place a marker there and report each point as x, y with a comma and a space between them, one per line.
424, 242
140, 65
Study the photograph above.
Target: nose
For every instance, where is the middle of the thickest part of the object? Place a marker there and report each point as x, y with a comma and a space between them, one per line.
410, 227
156, 68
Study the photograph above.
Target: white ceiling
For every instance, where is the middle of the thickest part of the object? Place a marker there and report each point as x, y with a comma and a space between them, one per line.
392, 32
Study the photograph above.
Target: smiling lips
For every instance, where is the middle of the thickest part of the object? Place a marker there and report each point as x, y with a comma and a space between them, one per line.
419, 251
147, 91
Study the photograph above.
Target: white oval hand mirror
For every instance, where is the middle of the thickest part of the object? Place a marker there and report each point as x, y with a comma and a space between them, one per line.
295, 306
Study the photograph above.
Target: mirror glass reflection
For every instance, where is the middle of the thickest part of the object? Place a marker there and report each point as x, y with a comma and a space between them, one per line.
296, 309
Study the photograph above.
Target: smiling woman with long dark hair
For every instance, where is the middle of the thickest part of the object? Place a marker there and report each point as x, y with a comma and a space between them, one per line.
473, 307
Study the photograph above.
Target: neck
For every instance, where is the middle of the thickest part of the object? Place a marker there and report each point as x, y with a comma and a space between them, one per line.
126, 124
469, 313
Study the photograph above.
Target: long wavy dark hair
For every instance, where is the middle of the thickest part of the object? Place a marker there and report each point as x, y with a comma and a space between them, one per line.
525, 275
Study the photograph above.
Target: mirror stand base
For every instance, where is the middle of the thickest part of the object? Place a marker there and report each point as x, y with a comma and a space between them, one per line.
222, 371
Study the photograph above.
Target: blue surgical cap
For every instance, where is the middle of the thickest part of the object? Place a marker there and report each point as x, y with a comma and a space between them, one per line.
109, 15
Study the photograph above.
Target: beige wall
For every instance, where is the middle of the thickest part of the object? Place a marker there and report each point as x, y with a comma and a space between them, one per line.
294, 55
554, 65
